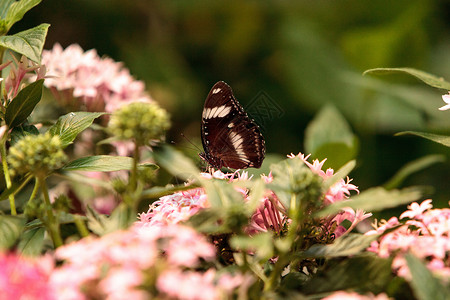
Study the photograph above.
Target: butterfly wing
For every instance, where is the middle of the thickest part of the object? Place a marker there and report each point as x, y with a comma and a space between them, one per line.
230, 138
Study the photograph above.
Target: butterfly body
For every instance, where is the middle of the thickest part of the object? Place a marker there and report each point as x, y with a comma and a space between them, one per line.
229, 137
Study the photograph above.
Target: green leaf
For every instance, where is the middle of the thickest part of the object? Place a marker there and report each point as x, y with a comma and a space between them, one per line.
18, 9
160, 191
32, 241
19, 132
347, 245
121, 218
431, 80
10, 229
100, 163
70, 125
424, 284
441, 139
23, 104
29, 42
375, 199
412, 167
175, 163
364, 273
261, 244
330, 136
4, 7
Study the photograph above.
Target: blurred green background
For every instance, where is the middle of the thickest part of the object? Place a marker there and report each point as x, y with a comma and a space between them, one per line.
302, 55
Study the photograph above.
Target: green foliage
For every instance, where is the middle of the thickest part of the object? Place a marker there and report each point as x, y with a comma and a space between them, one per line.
11, 228
438, 138
70, 125
329, 136
424, 284
23, 104
29, 42
99, 163
431, 80
15, 10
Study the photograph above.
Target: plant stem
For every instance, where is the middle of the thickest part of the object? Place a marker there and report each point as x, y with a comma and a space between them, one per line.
84, 232
52, 223
12, 202
134, 170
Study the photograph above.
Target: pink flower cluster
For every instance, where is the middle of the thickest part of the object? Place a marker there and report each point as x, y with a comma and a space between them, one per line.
100, 83
341, 295
425, 233
340, 191
25, 278
118, 265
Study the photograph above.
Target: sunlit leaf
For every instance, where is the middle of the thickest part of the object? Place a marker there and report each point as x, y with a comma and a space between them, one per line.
100, 163
431, 80
17, 9
70, 125
29, 42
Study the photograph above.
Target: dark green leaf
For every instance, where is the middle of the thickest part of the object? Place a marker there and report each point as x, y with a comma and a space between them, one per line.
32, 241
121, 218
375, 199
22, 131
29, 42
18, 9
413, 167
348, 245
431, 80
100, 163
365, 273
15, 187
70, 125
10, 229
441, 139
23, 104
424, 284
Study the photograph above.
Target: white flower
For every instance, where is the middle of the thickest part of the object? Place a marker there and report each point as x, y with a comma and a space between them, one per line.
446, 99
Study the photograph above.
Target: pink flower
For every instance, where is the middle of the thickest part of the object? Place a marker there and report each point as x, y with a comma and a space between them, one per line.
115, 265
426, 234
175, 208
340, 190
25, 278
446, 99
188, 285
100, 84
341, 295
416, 209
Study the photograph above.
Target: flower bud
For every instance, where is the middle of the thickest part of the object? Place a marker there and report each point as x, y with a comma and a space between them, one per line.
37, 154
140, 121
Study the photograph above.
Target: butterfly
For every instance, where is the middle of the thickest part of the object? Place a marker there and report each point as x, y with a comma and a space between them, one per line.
229, 137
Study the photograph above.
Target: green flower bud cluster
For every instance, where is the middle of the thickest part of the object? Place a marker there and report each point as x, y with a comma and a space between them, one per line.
308, 187
140, 121
37, 154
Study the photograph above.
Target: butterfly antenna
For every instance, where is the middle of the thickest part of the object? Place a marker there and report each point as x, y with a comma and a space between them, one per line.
189, 141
